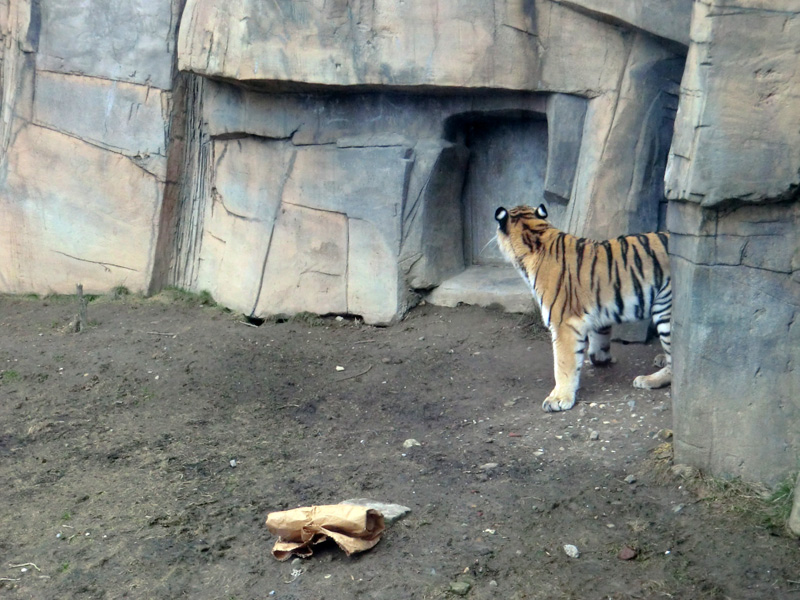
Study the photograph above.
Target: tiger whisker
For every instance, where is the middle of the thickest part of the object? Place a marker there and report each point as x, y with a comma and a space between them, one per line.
492, 239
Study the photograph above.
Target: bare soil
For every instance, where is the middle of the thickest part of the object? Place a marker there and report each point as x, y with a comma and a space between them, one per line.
117, 482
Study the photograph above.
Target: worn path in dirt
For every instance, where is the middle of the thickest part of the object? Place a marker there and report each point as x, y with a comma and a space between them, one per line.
116, 447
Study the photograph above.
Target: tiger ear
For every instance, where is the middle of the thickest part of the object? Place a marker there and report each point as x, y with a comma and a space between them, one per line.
501, 216
541, 212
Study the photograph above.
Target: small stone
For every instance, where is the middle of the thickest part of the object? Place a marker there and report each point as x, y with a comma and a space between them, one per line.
627, 553
391, 512
460, 588
571, 551
665, 434
594, 436
493, 583
339, 368
410, 443
488, 466
630, 479
233, 463
678, 508
684, 471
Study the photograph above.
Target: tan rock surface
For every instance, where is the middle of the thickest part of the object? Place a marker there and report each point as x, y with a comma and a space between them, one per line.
74, 213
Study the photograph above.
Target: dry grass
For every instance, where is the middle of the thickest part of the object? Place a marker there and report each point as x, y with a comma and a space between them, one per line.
763, 507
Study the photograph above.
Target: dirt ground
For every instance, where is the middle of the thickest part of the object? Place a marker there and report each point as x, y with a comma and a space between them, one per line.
117, 482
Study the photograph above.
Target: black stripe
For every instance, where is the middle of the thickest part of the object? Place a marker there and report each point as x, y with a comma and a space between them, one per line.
579, 245
594, 264
637, 260
609, 256
573, 328
623, 248
618, 291
658, 272
637, 288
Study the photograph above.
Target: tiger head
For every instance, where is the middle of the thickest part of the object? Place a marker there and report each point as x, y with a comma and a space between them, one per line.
519, 231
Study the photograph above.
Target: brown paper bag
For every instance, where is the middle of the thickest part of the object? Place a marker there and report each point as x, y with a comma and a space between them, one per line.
353, 528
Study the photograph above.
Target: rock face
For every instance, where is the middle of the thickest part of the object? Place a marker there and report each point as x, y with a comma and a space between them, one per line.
735, 247
397, 186
86, 115
225, 178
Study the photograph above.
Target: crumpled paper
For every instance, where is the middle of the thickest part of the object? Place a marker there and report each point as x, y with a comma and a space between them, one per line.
353, 528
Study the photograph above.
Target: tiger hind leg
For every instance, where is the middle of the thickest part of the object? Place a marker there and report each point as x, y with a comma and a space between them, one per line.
600, 346
661, 318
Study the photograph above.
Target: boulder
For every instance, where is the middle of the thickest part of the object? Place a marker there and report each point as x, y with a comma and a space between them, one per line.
663, 18
343, 43
741, 90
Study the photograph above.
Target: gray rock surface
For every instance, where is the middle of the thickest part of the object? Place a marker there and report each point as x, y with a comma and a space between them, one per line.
391, 512
735, 245
794, 516
663, 18
736, 341
740, 91
86, 103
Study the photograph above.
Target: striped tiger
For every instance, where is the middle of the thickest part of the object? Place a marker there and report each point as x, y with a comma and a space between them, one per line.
583, 287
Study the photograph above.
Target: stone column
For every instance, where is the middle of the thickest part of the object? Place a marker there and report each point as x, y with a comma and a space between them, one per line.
733, 183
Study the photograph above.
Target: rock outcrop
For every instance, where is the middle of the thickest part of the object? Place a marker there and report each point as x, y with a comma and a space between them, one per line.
734, 180
85, 126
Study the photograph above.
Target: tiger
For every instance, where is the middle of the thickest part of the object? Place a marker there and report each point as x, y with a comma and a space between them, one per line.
583, 287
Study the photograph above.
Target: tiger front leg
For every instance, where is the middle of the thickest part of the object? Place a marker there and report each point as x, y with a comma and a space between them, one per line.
569, 346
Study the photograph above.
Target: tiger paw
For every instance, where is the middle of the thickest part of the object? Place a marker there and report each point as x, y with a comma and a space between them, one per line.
601, 359
660, 360
558, 401
658, 379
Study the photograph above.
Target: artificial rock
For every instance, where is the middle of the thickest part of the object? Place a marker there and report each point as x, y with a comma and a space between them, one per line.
734, 217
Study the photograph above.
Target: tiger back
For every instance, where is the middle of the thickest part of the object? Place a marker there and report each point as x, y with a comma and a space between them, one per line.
583, 287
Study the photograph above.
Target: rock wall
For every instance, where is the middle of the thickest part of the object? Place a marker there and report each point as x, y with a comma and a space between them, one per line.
414, 173
120, 170
734, 179
86, 104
